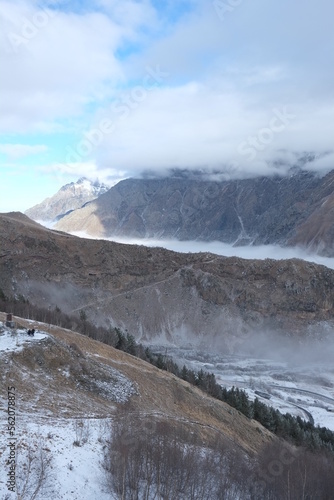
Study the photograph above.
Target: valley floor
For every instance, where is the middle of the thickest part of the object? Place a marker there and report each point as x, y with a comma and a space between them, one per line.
305, 390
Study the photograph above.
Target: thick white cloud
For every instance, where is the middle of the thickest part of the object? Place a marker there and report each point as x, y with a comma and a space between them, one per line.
228, 79
232, 72
56, 64
200, 126
65, 172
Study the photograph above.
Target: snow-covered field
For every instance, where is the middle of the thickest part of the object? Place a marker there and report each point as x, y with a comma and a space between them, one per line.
75, 471
293, 388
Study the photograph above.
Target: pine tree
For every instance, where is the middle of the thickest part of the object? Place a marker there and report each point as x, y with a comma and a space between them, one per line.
184, 373
130, 344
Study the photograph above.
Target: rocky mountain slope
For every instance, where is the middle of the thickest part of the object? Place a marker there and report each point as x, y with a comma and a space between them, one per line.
156, 294
70, 197
296, 209
70, 376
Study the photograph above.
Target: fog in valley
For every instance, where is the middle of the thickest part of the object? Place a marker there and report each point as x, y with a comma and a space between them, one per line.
228, 250
295, 376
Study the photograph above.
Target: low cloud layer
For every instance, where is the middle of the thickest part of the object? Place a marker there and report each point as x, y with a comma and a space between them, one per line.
216, 247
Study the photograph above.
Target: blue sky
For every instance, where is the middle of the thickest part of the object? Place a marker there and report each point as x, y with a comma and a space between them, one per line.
109, 89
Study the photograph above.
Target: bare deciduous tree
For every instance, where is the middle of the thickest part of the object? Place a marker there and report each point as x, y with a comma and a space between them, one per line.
82, 431
289, 473
34, 472
146, 458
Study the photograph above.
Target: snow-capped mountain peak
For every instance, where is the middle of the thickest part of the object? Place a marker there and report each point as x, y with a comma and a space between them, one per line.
69, 197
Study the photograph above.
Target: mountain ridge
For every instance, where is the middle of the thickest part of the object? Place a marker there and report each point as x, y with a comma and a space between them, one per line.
288, 211
157, 294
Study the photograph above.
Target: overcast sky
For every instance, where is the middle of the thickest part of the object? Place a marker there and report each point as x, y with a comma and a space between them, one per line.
112, 88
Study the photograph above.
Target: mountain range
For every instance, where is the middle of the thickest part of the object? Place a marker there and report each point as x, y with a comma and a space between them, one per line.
297, 209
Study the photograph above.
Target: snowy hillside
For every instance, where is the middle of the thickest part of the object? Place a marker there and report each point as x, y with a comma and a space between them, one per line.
87, 421
70, 449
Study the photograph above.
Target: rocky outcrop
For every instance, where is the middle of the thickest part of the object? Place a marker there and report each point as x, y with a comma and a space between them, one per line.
297, 209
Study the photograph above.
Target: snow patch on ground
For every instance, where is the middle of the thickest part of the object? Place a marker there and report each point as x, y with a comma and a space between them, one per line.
16, 339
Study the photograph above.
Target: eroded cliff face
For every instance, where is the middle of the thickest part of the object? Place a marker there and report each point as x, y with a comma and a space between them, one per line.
297, 209
157, 294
